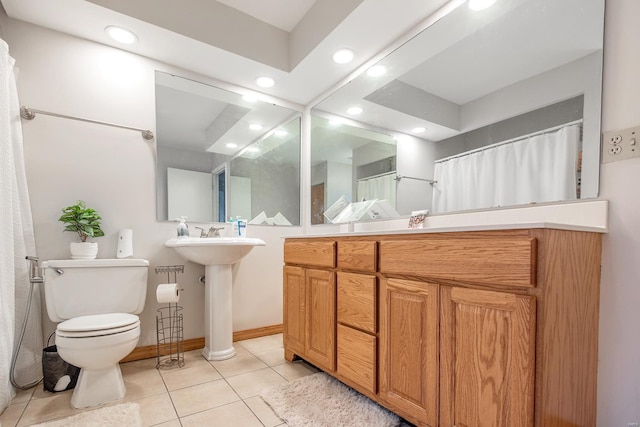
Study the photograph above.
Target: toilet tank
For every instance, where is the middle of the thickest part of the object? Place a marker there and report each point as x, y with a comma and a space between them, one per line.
74, 287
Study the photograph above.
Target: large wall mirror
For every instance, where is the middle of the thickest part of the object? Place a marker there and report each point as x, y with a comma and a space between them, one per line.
483, 109
222, 155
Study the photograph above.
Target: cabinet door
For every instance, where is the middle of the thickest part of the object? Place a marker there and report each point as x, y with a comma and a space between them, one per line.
487, 359
408, 369
320, 348
295, 297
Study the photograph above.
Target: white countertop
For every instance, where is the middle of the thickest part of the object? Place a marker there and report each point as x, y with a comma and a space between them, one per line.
591, 216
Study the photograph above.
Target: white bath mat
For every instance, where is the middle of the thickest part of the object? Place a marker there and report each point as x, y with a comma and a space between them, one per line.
125, 414
320, 400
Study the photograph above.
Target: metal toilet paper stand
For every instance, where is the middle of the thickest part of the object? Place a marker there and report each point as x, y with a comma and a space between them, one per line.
169, 328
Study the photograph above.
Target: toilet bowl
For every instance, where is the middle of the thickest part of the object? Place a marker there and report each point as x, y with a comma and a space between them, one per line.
96, 344
96, 302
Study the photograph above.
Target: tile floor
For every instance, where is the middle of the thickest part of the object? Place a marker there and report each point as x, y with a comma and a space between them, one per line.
202, 393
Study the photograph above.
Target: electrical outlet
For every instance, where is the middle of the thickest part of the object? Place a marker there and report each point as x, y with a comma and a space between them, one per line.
615, 139
620, 145
616, 149
633, 425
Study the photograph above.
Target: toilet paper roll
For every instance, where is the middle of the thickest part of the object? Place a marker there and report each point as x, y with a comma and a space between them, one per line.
168, 293
125, 243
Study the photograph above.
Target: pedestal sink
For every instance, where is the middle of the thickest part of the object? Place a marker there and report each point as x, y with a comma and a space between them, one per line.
217, 254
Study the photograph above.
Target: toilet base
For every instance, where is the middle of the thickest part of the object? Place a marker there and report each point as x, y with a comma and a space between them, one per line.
98, 386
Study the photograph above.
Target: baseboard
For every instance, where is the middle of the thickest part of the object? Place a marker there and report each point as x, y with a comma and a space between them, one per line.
149, 351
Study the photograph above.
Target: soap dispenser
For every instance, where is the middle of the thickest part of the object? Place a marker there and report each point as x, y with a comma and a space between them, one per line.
183, 228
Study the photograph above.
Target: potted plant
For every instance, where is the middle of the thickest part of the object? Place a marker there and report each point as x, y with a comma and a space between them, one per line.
86, 222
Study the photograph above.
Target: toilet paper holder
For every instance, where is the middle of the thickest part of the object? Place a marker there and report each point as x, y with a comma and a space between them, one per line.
169, 326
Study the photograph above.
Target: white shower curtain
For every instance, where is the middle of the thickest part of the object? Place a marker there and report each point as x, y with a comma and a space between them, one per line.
17, 241
540, 168
380, 187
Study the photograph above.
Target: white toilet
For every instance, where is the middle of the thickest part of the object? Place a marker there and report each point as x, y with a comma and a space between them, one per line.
96, 302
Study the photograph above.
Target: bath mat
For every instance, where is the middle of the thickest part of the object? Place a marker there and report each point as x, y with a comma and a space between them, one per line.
125, 414
320, 400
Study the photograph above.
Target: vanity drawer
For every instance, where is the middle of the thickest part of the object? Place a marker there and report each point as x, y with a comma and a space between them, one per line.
319, 254
357, 301
357, 255
506, 261
357, 358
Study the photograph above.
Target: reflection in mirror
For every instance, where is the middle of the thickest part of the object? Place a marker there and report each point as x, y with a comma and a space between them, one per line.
265, 178
200, 128
489, 108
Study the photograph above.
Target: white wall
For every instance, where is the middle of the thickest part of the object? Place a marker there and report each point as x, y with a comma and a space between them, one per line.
619, 348
113, 170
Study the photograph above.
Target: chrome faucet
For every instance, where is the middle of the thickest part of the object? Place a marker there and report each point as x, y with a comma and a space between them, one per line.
213, 232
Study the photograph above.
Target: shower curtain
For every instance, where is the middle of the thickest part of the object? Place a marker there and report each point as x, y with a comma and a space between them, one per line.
381, 187
539, 168
16, 242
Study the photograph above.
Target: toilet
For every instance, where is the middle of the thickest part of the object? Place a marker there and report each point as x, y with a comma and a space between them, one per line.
96, 302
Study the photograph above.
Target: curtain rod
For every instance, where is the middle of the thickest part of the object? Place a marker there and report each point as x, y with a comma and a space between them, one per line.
375, 176
30, 114
430, 181
508, 141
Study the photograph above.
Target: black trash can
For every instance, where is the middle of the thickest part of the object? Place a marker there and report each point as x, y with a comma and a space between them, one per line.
58, 374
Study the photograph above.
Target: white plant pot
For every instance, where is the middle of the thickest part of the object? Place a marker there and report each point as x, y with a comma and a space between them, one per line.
83, 250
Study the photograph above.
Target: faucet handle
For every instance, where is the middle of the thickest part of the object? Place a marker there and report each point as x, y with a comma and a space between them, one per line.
215, 231
202, 232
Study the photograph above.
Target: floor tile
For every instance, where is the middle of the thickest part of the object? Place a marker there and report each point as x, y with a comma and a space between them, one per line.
262, 344
49, 408
294, 370
252, 383
202, 397
25, 395
231, 415
141, 383
263, 411
188, 376
240, 364
172, 423
272, 357
12, 413
156, 409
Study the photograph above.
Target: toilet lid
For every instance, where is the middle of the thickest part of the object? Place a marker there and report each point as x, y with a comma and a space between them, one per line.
98, 324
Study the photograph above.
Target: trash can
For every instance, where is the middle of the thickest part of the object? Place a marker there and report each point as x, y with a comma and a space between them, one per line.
58, 374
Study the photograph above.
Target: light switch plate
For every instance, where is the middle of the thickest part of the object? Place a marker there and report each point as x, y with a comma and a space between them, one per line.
621, 144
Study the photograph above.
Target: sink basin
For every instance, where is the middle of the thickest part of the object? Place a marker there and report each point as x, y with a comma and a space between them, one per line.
214, 250
217, 254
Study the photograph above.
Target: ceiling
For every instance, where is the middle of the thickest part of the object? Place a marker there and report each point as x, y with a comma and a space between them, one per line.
290, 41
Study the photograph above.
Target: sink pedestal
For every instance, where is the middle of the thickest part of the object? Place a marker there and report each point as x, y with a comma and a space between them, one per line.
218, 320
217, 254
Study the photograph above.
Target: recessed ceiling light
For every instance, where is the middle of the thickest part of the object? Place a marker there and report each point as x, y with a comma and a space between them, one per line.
343, 56
121, 35
232, 145
354, 110
480, 4
377, 70
281, 132
255, 126
265, 81
418, 129
249, 98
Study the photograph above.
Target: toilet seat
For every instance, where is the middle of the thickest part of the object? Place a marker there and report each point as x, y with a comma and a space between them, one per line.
97, 325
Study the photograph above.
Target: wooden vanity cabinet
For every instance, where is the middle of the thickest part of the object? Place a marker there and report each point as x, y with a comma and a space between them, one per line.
483, 328
408, 368
309, 304
487, 358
